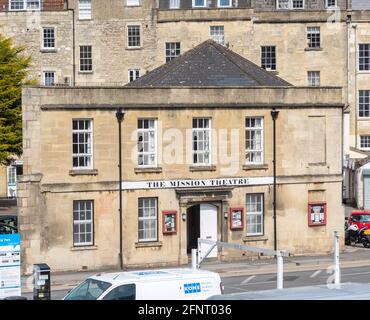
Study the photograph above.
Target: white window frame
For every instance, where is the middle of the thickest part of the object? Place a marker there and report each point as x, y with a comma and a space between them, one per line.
169, 57
227, 6
86, 58
204, 151
275, 66
135, 73
360, 140
217, 37
334, 6
132, 3
255, 213
201, 6
313, 30
149, 153
261, 150
12, 176
44, 77
85, 11
358, 105
43, 38
312, 78
148, 218
174, 4
26, 5
290, 5
83, 222
128, 37
87, 154
358, 58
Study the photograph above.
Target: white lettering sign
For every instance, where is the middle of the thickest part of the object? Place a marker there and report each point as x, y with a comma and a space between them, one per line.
10, 265
208, 183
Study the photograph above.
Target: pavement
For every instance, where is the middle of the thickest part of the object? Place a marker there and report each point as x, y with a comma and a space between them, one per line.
351, 257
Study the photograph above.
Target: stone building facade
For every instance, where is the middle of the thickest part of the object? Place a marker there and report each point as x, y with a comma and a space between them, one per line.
178, 99
58, 33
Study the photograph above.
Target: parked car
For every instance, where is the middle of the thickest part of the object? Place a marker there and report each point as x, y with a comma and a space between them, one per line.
7, 229
360, 218
9, 220
166, 284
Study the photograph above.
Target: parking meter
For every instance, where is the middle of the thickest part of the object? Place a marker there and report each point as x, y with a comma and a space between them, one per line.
41, 282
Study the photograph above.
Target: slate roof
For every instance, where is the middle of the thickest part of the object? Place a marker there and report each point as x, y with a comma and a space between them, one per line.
209, 64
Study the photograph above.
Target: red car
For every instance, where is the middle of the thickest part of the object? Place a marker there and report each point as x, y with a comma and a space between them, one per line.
360, 218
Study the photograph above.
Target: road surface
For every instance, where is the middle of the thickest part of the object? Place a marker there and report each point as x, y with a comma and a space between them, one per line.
268, 281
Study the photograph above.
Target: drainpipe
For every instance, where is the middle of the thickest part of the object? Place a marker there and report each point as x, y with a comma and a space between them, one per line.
73, 42
120, 116
274, 115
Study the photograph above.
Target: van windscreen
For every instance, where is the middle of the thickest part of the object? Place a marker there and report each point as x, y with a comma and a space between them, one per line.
90, 289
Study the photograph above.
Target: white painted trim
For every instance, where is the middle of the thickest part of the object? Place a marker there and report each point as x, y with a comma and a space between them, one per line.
155, 164
227, 6
204, 183
92, 144
358, 59
290, 5
43, 39
262, 128
44, 76
327, 6
203, 6
25, 6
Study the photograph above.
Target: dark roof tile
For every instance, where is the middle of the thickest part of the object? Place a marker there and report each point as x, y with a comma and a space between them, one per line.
209, 64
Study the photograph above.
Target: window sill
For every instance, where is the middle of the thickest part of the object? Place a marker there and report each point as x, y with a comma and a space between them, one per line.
148, 244
87, 172
84, 248
313, 49
255, 167
85, 72
254, 238
148, 170
318, 164
133, 48
274, 72
202, 168
84, 19
49, 50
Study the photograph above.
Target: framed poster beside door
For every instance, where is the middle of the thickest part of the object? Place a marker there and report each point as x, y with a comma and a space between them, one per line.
236, 218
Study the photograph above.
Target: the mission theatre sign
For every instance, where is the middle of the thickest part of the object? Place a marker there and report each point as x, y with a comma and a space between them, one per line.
203, 183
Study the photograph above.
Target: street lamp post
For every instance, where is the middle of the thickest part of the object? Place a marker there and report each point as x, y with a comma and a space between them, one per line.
120, 115
274, 115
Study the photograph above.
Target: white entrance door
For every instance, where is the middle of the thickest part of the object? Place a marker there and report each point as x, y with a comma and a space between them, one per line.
208, 227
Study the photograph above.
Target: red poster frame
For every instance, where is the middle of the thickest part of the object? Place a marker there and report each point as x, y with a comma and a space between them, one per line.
310, 205
169, 212
232, 226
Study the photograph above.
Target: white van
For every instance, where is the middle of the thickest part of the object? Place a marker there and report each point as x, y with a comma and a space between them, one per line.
164, 284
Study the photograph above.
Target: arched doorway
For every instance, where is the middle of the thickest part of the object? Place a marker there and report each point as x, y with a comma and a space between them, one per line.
201, 223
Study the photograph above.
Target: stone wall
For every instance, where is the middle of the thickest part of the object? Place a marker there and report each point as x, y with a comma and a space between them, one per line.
49, 188
25, 28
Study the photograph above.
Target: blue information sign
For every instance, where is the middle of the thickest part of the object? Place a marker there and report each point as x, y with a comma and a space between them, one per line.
10, 265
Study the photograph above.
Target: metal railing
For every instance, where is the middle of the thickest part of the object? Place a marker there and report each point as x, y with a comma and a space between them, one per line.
198, 257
